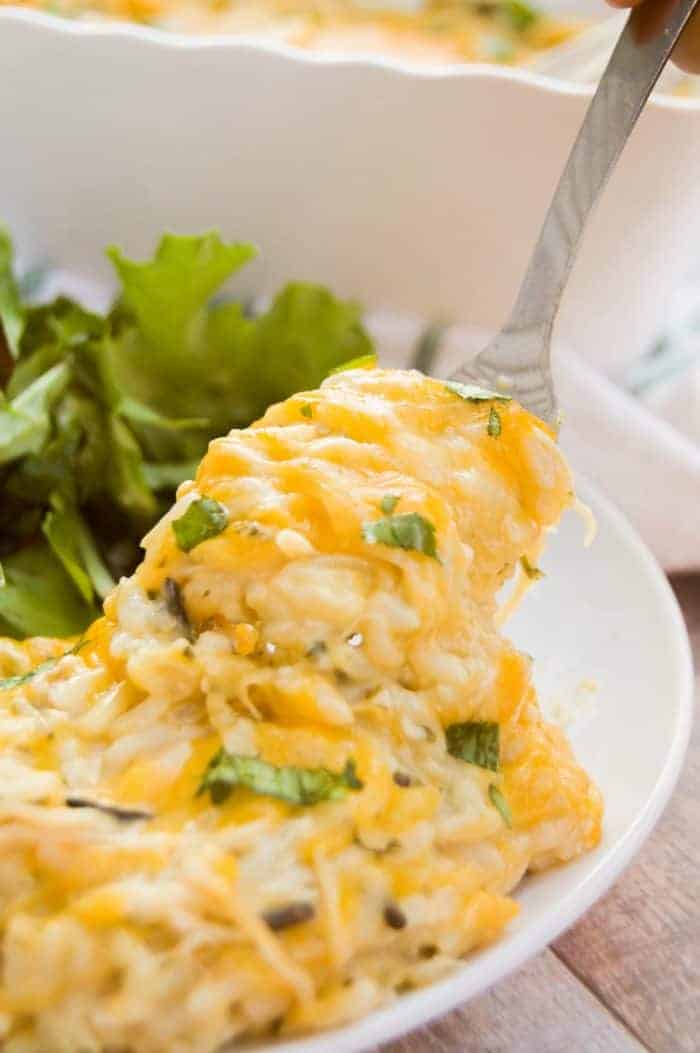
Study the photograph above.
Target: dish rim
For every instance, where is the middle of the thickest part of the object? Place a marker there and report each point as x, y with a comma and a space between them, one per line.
419, 1008
167, 40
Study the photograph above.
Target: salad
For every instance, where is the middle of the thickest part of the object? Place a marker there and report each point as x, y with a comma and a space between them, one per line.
102, 416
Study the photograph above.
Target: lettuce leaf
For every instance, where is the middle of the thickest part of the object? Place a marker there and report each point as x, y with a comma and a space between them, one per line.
167, 295
38, 597
11, 309
102, 416
25, 422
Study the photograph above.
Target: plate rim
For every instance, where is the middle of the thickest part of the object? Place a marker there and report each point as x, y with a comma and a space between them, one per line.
419, 1008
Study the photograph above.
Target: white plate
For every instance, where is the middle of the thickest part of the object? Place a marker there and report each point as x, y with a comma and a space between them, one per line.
605, 613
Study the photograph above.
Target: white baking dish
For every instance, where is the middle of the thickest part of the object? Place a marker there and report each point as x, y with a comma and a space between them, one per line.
334, 166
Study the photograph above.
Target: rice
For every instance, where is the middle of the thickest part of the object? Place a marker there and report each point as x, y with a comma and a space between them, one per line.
148, 907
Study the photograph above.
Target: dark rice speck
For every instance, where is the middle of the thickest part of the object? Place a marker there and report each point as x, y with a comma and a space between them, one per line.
401, 779
395, 917
279, 918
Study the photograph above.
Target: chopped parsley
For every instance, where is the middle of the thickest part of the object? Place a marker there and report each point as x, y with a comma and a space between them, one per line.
494, 425
476, 742
227, 771
23, 678
410, 531
499, 802
520, 15
306, 410
362, 362
473, 393
534, 573
203, 519
388, 503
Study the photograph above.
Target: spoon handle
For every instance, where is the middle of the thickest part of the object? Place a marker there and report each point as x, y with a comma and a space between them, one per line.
634, 67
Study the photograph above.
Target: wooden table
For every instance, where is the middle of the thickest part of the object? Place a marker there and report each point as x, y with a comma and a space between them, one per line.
626, 978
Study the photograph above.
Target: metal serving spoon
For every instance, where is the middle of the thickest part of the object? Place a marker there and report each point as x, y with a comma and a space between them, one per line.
517, 361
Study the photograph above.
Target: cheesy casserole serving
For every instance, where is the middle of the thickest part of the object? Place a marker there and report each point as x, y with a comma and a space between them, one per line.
432, 31
294, 770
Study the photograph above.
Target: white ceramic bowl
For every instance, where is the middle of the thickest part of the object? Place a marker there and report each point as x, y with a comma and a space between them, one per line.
414, 189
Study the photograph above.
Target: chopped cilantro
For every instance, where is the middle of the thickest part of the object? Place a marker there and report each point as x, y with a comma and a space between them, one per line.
476, 742
306, 410
362, 362
494, 425
202, 520
498, 801
410, 531
227, 771
520, 15
388, 503
43, 667
473, 393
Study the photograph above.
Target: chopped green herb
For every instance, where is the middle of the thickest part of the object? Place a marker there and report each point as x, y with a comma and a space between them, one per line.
388, 503
534, 573
203, 519
498, 801
43, 667
473, 393
494, 425
476, 742
363, 362
520, 15
307, 410
23, 678
410, 531
227, 771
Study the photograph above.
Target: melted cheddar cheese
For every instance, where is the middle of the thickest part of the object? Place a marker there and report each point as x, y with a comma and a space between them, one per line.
139, 914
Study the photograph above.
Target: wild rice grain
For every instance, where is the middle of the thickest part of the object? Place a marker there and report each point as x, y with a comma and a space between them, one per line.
395, 917
292, 914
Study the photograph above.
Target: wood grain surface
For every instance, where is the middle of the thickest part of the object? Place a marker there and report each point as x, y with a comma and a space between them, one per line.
627, 976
